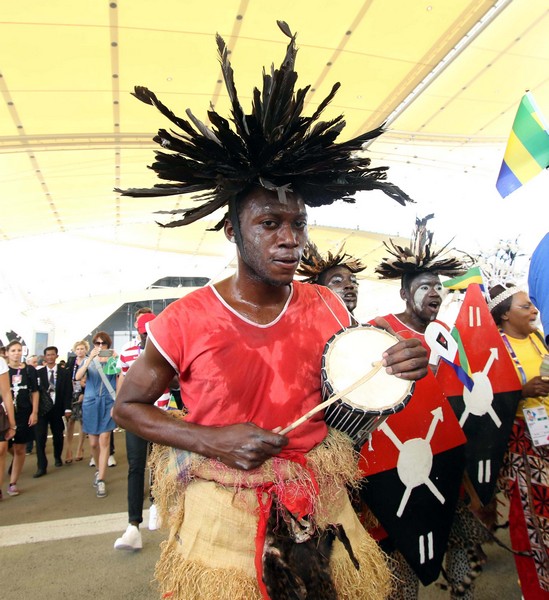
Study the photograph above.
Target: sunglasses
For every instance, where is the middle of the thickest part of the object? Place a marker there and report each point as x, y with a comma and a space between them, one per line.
98, 343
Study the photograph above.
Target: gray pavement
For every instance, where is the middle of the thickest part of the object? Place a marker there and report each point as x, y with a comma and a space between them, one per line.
56, 541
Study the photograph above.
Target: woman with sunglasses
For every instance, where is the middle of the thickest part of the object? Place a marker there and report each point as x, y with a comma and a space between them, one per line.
100, 369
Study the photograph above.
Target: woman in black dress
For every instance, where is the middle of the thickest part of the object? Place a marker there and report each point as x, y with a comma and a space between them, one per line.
24, 389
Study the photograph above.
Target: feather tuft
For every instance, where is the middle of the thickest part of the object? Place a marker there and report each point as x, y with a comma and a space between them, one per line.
313, 264
274, 143
420, 256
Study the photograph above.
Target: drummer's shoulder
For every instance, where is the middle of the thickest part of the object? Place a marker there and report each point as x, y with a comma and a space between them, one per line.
315, 291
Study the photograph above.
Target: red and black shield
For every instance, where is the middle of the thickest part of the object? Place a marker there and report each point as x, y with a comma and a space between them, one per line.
486, 411
414, 465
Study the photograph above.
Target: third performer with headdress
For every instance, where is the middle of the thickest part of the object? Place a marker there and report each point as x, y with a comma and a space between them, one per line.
414, 462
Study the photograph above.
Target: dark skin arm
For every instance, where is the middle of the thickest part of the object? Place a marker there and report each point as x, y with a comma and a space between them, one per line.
407, 359
241, 446
536, 387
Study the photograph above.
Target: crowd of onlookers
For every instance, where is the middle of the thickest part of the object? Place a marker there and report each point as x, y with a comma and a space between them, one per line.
73, 401
28, 381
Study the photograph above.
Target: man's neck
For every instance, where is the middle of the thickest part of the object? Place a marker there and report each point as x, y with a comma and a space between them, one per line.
411, 320
255, 300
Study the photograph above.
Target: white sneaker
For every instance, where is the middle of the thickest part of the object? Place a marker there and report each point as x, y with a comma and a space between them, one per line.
112, 461
92, 462
101, 489
154, 519
131, 540
95, 479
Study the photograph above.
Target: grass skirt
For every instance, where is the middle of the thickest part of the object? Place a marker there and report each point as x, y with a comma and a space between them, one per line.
212, 513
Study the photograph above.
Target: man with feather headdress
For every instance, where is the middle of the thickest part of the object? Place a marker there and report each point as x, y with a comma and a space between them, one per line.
418, 267
247, 351
335, 271
454, 529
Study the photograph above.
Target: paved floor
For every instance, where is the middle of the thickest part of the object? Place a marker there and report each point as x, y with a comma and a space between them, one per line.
56, 541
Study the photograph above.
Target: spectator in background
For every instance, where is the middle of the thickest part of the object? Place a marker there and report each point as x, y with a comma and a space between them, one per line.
97, 422
7, 406
140, 311
80, 349
57, 382
137, 449
538, 282
24, 389
32, 360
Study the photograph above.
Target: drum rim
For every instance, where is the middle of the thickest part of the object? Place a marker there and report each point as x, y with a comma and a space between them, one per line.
403, 400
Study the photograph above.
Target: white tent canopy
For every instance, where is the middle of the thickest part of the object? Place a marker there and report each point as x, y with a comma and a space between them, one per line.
446, 77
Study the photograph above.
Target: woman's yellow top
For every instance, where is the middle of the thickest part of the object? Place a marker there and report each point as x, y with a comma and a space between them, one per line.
529, 354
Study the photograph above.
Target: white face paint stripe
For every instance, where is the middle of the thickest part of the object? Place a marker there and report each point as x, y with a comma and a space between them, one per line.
419, 297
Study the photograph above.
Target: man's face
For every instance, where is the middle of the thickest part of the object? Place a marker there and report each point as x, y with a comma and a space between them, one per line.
50, 357
341, 281
425, 296
274, 234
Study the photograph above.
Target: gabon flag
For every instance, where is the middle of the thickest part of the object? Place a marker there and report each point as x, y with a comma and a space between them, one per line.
527, 151
473, 275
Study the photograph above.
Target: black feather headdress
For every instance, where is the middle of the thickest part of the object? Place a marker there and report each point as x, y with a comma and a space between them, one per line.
419, 257
313, 264
274, 147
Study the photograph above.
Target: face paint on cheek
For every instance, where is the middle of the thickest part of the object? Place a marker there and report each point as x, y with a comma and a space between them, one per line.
418, 298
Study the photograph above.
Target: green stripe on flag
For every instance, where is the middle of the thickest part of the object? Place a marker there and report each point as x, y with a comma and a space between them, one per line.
531, 134
473, 275
461, 351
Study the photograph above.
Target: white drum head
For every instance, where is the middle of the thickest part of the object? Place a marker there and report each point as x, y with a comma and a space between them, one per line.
349, 355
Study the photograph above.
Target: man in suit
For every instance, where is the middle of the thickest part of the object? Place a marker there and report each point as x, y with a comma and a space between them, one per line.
58, 382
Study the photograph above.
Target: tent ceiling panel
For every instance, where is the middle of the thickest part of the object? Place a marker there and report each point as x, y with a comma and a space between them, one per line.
70, 131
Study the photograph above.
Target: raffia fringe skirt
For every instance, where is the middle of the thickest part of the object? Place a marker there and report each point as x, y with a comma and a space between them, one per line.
212, 513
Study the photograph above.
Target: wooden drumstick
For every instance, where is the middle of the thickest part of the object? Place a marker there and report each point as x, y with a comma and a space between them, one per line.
376, 367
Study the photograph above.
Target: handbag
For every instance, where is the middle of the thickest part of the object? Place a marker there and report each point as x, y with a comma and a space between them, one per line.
45, 403
4, 419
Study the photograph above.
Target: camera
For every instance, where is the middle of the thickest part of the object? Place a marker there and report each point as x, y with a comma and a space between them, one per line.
106, 352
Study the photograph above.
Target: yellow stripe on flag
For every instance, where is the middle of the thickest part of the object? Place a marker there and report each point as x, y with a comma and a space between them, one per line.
461, 285
520, 160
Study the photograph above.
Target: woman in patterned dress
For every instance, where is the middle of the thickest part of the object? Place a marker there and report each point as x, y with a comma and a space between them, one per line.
525, 476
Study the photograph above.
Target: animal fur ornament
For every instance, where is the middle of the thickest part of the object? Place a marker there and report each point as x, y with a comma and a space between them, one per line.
296, 560
419, 256
275, 147
313, 264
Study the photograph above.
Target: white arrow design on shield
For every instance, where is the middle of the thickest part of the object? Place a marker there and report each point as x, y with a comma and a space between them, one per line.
478, 401
415, 460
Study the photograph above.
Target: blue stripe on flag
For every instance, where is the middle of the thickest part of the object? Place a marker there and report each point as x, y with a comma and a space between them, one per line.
507, 181
461, 374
